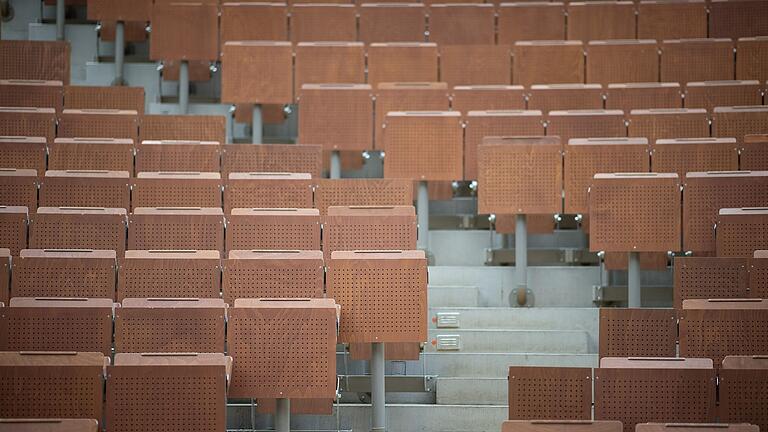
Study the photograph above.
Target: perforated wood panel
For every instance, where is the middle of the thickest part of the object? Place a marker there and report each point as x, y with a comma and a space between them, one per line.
650, 389
689, 60
268, 190
135, 31
548, 62
198, 70
741, 231
560, 426
362, 192
555, 97
667, 123
200, 228
736, 122
115, 97
550, 393
758, 275
525, 21
743, 384
402, 62
253, 21
323, 22
170, 325
5, 275
695, 154
257, 72
78, 228
98, 123
177, 189
168, 392
36, 60
622, 61
536, 223
664, 19
475, 64
336, 116
406, 96
752, 59
169, 274
392, 22
64, 273
586, 124
487, 97
23, 152
711, 94
735, 19
57, 324
710, 277
596, 21
481, 124
184, 156
26, 121
116, 10
328, 62
13, 229
753, 154
183, 127
273, 228
272, 158
51, 385
91, 154
638, 332
627, 97
184, 31
392, 351
31, 93
49, 425
383, 295
19, 188
692, 427
462, 24
369, 228
720, 327
634, 212
85, 189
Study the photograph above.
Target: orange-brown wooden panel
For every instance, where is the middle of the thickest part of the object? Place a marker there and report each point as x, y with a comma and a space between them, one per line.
589, 21
634, 212
27, 121
283, 348
711, 94
586, 124
671, 19
656, 261
561, 426
110, 154
741, 231
272, 158
627, 97
753, 152
268, 190
406, 96
329, 62
535, 223
85, 189
13, 229
323, 22
548, 62
710, 277
475, 64
272, 274
668, 123
19, 188
257, 72
57, 324
688, 60
78, 228
736, 122
336, 116
424, 145
462, 24
558, 97
253, 21
25, 153
481, 124
196, 228
638, 332
531, 21
392, 22
49, 425
34, 60
550, 393
402, 62
98, 123
118, 10
135, 31
487, 97
752, 61
115, 97
184, 31
273, 229
178, 156
169, 273
622, 61
392, 351
270, 113
31, 93
176, 189
362, 192
199, 70
738, 18
684, 155
64, 273
743, 381
369, 228
5, 274
183, 127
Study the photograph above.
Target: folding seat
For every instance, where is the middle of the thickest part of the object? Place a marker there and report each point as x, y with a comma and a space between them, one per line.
169, 274
78, 228
323, 22
548, 62
586, 124
336, 116
739, 232
98, 123
199, 70
555, 393
627, 97
257, 72
178, 156
416, 96
272, 158
268, 190
738, 121
703, 277
589, 21
57, 324
49, 425
85, 189
487, 98
173, 392
671, 19
369, 228
402, 62
28, 121
64, 273
170, 325
689, 60
462, 24
392, 22
638, 390
176, 189
23, 153
668, 123
114, 98
558, 97
35, 60
753, 152
5, 275
13, 229
139, 10
273, 229
743, 381
684, 155
19, 188
52, 385
135, 31
272, 274
525, 21
183, 127
738, 18
105, 154
711, 94
622, 61
589, 156
638, 332
481, 124
198, 22
562, 426
31, 93
752, 61
185, 228
362, 192
329, 62
424, 145
475, 64
253, 21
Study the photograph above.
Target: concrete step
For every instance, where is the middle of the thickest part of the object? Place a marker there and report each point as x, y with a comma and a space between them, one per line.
452, 296
509, 341
472, 391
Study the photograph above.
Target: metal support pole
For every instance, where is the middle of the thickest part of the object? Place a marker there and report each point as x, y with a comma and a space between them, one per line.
521, 252
633, 280
60, 17
335, 164
283, 415
119, 53
378, 403
257, 125
422, 210
184, 87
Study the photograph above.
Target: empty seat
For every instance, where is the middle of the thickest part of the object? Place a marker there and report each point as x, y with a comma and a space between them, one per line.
668, 123
64, 273
369, 228
183, 127
738, 18
671, 19
49, 425
561, 426
738, 121
178, 156
23, 153
525, 21
627, 97
554, 393
35, 60
323, 22
272, 158
392, 22
752, 61
586, 124
85, 189
272, 274
176, 189
409, 96
685, 155
601, 20
548, 62
98, 123
688, 60
199, 22
739, 232
481, 124
753, 152
13, 229
28, 121
475, 64
711, 94
169, 274
257, 72
362, 192
115, 97
19, 188
329, 62
31, 93
637, 332
622, 61
273, 229
402, 62
196, 228
52, 385
487, 97
107, 154
253, 21
743, 382
57, 324
558, 97
462, 24
268, 190
337, 116
710, 277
